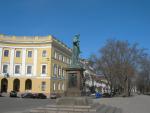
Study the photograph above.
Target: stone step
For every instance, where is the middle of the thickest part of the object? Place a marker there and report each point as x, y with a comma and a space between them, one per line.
37, 111
97, 108
64, 109
65, 106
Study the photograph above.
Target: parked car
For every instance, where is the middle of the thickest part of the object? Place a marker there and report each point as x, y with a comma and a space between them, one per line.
27, 95
92, 95
106, 95
13, 94
98, 95
54, 95
39, 96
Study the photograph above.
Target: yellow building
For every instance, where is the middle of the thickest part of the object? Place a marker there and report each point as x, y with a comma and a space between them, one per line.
33, 64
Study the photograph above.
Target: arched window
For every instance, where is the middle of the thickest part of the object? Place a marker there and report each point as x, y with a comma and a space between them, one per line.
16, 85
43, 86
4, 85
28, 84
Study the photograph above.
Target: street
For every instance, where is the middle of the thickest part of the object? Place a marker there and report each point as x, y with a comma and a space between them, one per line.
135, 104
17, 105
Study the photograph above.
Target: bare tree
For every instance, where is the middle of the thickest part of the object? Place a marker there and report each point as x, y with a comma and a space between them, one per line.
118, 62
143, 79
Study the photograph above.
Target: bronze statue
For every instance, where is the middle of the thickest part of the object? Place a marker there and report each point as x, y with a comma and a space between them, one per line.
76, 51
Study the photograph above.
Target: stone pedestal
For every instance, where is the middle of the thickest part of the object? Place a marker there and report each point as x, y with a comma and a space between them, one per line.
74, 82
73, 101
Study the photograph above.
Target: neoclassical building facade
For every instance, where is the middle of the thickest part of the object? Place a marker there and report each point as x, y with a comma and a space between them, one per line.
33, 64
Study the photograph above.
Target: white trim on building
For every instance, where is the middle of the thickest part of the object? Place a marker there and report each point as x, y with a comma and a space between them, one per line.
3, 46
0, 60
23, 61
12, 53
35, 62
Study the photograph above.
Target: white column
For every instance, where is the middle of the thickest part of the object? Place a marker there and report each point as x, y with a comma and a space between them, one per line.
1, 60
23, 68
35, 63
12, 52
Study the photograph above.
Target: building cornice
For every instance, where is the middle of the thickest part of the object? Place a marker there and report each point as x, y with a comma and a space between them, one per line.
33, 41
25, 39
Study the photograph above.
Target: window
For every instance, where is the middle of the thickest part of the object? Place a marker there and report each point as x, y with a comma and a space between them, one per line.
5, 68
55, 55
18, 53
63, 72
67, 60
29, 53
60, 57
44, 53
70, 61
28, 84
59, 71
55, 69
6, 53
43, 69
62, 87
17, 69
43, 86
54, 86
58, 86
63, 59
29, 69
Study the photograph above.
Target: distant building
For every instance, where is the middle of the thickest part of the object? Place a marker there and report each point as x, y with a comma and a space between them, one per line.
92, 80
101, 84
89, 74
33, 64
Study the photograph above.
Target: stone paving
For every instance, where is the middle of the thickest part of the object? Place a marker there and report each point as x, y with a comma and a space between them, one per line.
135, 104
18, 105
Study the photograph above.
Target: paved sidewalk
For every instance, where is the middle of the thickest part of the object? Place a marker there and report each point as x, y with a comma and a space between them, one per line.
135, 104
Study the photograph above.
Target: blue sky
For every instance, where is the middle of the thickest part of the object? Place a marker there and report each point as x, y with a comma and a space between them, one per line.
95, 20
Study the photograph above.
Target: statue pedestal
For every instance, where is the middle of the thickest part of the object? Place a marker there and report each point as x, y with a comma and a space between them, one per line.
74, 82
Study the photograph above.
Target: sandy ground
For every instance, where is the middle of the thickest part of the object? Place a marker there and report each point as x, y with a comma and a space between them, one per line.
135, 104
